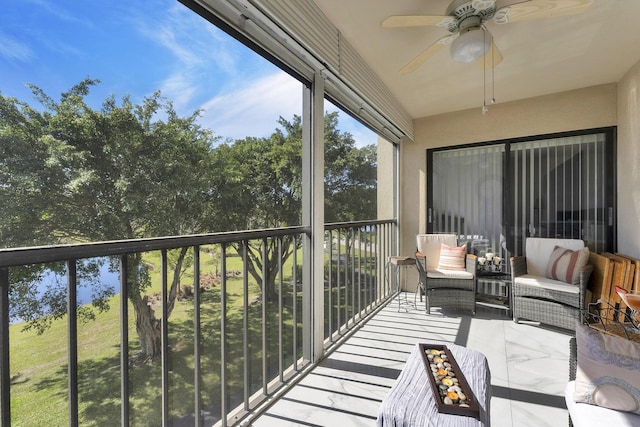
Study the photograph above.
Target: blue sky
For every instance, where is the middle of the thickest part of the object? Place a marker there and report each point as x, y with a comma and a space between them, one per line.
138, 47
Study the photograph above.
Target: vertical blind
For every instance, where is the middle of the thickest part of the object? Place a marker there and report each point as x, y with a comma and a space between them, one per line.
497, 195
467, 194
560, 189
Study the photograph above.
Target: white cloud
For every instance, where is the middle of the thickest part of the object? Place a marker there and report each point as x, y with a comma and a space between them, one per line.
180, 90
202, 55
193, 41
167, 31
14, 50
363, 136
54, 9
166, 36
254, 109
249, 95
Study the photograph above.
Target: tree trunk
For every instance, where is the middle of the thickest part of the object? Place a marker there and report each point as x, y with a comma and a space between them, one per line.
175, 282
148, 327
148, 330
255, 262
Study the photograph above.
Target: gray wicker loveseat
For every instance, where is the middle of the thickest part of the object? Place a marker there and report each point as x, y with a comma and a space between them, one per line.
539, 297
446, 281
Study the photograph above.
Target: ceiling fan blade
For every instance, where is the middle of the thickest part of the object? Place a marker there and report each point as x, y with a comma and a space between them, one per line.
540, 9
397, 21
488, 61
426, 54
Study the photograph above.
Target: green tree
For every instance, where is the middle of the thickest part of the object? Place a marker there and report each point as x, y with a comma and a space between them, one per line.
71, 173
125, 171
350, 179
350, 184
261, 187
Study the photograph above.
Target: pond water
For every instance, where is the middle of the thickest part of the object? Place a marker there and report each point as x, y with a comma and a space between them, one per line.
85, 291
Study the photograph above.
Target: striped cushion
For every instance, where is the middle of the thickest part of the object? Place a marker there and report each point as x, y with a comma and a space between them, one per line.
452, 258
565, 264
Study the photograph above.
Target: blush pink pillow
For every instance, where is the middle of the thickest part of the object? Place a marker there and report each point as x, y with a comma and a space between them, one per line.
452, 258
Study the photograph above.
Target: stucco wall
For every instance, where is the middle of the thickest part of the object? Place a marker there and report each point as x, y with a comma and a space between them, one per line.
385, 200
629, 163
587, 108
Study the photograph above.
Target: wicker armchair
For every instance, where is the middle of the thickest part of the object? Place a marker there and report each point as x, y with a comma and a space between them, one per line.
442, 287
540, 299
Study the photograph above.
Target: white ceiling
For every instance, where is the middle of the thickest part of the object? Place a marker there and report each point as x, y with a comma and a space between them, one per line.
540, 57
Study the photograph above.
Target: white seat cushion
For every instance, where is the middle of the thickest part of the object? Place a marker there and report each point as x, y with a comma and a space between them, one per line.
584, 414
543, 282
439, 273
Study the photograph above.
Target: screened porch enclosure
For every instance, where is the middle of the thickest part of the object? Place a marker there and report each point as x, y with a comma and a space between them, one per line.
496, 195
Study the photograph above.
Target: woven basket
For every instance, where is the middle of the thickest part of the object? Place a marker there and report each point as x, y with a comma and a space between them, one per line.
610, 320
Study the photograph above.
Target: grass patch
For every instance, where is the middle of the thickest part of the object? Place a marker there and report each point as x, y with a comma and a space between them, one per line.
39, 362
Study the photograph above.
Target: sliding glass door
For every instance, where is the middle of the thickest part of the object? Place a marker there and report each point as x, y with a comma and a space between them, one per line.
466, 194
496, 195
563, 187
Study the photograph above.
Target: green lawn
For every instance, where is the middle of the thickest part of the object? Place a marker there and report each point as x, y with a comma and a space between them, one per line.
39, 362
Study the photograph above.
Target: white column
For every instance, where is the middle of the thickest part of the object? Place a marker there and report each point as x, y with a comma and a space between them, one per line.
313, 216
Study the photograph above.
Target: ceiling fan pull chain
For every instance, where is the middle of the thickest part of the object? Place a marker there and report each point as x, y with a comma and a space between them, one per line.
493, 77
484, 78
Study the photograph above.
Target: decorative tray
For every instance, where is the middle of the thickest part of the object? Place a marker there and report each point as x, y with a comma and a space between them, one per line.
450, 388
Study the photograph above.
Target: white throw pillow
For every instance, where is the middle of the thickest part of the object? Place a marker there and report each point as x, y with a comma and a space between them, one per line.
608, 370
565, 264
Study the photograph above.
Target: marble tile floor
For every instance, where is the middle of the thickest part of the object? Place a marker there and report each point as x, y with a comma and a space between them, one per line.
529, 369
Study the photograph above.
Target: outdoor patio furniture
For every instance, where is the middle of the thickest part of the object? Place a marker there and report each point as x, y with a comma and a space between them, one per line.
394, 266
447, 281
540, 298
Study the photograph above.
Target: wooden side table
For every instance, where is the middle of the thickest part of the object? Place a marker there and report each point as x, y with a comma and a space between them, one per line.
394, 265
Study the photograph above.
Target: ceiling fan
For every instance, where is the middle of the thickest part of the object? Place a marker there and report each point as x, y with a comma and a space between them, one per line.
465, 20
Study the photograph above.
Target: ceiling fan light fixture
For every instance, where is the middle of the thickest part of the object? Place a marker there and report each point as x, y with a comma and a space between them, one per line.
471, 44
